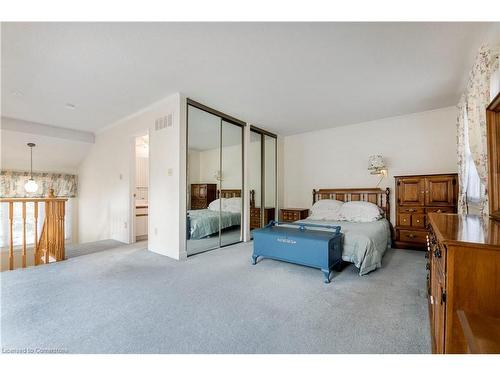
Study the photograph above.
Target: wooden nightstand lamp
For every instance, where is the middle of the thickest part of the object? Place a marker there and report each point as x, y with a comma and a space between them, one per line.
294, 214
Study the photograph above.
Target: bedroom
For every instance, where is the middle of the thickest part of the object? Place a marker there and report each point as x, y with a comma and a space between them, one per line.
292, 192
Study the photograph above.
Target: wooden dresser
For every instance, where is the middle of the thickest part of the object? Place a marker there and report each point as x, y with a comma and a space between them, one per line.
416, 196
255, 219
463, 275
202, 195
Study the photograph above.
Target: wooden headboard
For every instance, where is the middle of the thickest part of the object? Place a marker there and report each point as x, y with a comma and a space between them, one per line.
229, 193
377, 196
236, 193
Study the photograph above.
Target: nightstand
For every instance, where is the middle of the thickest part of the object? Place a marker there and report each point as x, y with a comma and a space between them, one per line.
294, 214
255, 216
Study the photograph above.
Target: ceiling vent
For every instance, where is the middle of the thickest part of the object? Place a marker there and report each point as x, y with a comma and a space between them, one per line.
164, 122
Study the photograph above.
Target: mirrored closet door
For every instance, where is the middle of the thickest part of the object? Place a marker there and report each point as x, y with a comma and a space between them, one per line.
214, 179
262, 178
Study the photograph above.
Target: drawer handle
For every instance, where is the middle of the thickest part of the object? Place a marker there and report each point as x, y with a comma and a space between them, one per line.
410, 235
418, 221
439, 211
410, 210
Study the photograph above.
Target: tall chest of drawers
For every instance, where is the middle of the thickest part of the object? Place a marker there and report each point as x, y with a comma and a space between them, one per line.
463, 265
202, 195
416, 197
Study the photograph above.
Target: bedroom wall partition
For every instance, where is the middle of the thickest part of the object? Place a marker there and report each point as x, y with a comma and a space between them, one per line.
214, 179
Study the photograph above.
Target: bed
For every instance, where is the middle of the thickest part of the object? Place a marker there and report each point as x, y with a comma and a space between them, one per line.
204, 223
364, 243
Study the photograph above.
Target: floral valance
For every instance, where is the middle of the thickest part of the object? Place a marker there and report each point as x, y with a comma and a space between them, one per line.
12, 184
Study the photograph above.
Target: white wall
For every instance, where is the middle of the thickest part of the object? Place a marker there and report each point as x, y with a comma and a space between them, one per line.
107, 180
167, 176
338, 157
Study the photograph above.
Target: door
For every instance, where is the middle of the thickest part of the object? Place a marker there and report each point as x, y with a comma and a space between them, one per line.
439, 190
203, 163
231, 182
411, 191
262, 159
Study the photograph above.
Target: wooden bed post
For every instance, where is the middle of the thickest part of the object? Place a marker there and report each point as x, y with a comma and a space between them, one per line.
387, 204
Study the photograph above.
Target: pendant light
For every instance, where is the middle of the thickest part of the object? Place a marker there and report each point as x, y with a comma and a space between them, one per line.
31, 186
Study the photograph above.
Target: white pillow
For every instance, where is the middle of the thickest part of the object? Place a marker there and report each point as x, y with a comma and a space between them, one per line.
215, 205
324, 215
323, 205
231, 204
360, 212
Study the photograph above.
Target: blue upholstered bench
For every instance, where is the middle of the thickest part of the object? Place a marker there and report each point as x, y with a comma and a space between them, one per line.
301, 243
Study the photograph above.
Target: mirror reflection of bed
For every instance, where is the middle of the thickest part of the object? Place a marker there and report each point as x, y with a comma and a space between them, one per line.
203, 223
214, 180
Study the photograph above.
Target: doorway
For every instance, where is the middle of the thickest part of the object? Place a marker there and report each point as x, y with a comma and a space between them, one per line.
141, 188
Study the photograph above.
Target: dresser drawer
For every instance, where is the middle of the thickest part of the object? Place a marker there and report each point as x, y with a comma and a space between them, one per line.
439, 255
449, 210
418, 221
404, 220
255, 213
419, 237
254, 223
411, 210
199, 203
290, 216
294, 214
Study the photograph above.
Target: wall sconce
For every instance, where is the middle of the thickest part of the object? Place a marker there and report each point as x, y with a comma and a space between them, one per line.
376, 166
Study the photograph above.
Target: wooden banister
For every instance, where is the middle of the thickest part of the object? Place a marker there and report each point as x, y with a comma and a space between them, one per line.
49, 247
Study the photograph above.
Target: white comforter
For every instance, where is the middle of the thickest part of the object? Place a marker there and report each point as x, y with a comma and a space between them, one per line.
364, 243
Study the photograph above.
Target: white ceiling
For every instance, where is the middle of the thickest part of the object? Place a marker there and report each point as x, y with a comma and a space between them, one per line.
51, 154
285, 77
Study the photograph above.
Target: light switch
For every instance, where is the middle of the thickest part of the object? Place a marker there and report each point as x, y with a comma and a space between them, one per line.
169, 172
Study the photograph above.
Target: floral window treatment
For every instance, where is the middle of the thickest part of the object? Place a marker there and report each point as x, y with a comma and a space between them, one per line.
12, 184
472, 113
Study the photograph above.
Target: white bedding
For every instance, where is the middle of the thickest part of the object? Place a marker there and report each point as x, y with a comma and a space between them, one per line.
364, 244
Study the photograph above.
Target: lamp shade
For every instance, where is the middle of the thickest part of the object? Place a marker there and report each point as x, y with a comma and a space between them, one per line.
31, 186
376, 162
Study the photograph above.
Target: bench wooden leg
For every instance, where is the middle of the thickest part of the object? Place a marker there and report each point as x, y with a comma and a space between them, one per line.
326, 274
254, 259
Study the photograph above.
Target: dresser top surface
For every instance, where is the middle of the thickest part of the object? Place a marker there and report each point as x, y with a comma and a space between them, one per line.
466, 229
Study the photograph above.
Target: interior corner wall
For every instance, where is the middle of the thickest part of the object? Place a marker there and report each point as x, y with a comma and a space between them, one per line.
167, 174
420, 143
106, 180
